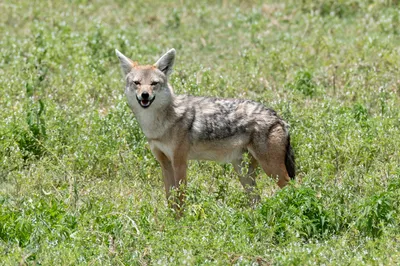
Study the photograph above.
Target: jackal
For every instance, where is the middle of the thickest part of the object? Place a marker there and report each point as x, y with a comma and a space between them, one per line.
181, 128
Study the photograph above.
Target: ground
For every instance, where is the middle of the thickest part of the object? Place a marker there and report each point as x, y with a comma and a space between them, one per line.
79, 184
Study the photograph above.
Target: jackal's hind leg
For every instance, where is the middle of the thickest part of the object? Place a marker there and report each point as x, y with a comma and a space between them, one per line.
271, 156
248, 180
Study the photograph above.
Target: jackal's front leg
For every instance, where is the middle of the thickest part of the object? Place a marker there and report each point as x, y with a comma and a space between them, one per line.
180, 167
167, 170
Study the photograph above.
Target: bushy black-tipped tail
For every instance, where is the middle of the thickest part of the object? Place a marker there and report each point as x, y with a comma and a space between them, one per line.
289, 160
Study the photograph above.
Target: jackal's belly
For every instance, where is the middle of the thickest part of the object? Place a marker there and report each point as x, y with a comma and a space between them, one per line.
218, 153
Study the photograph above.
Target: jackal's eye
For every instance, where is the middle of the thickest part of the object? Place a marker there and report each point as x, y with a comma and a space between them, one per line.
136, 82
154, 83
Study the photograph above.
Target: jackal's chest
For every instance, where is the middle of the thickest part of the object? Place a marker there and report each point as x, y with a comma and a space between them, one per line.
167, 148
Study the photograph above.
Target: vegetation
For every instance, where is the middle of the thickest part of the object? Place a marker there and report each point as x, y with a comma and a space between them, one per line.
78, 184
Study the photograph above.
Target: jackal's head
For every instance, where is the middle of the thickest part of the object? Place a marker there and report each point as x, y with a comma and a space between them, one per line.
147, 85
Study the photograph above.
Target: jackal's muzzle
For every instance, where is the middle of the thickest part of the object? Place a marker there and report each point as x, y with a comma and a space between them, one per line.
144, 100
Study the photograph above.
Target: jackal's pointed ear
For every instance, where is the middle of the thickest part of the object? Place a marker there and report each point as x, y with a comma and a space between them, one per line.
126, 63
166, 62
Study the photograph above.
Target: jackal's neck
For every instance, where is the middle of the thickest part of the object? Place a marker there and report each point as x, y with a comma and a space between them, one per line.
156, 123
171, 89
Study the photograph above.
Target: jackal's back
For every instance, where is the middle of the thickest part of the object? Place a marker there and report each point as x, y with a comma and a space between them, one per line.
211, 119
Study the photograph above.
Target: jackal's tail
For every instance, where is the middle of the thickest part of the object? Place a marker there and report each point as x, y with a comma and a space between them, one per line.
289, 160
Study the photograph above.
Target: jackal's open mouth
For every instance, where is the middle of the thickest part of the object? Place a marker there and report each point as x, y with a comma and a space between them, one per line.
145, 103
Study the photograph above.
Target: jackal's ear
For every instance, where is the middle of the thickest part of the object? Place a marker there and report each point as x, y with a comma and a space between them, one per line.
166, 62
126, 63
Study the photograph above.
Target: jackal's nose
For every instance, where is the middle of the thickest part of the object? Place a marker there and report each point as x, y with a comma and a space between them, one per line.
145, 95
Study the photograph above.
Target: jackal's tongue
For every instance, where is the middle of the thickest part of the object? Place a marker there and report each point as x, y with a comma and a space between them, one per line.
145, 102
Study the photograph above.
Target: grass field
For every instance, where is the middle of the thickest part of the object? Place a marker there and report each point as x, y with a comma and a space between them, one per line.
79, 185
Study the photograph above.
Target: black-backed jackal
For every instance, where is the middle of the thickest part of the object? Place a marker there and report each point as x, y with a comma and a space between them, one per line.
181, 128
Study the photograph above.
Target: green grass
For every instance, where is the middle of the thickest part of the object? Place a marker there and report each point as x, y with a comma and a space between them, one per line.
79, 185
